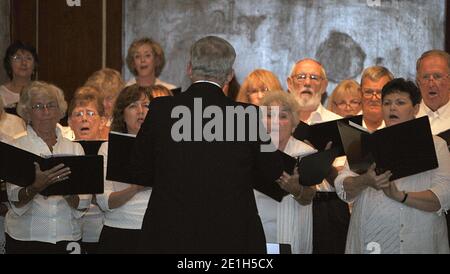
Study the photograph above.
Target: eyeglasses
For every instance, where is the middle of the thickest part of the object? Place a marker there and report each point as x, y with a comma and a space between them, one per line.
20, 58
255, 91
353, 104
369, 93
301, 77
41, 107
80, 114
436, 76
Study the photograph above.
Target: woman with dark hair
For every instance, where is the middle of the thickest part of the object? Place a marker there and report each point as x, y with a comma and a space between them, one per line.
124, 204
20, 63
405, 215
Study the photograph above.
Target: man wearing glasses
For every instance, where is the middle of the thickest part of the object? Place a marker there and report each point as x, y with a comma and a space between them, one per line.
308, 82
373, 80
330, 216
433, 80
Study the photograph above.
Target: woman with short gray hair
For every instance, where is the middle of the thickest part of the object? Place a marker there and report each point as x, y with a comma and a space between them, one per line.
37, 223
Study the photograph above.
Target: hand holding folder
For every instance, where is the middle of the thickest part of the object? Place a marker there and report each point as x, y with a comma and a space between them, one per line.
404, 149
86, 177
312, 169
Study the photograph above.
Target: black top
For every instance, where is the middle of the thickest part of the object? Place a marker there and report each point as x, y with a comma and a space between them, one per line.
202, 199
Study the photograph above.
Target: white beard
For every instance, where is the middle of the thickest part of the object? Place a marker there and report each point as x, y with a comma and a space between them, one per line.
309, 104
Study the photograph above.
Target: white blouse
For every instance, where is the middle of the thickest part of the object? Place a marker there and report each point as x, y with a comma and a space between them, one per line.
287, 221
45, 219
131, 214
439, 120
383, 225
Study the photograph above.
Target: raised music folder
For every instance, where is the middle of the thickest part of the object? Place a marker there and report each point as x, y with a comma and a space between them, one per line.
405, 149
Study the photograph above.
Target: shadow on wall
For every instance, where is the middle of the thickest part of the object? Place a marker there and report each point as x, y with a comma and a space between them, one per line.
345, 36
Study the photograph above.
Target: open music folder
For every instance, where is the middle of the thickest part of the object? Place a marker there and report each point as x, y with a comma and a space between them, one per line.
404, 149
312, 169
17, 167
320, 134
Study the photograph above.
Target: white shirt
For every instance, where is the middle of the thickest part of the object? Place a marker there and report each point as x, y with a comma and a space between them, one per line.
383, 125
9, 97
92, 224
319, 116
287, 221
11, 125
131, 214
45, 219
396, 227
439, 119
66, 132
132, 81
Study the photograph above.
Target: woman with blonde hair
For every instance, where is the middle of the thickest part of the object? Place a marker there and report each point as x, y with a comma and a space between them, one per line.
346, 99
256, 85
145, 60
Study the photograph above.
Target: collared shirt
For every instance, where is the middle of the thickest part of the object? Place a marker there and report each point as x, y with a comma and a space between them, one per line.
132, 81
377, 220
131, 214
319, 116
45, 219
383, 125
439, 119
205, 81
287, 221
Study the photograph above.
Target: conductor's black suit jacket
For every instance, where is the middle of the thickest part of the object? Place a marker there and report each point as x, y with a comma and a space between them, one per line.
202, 199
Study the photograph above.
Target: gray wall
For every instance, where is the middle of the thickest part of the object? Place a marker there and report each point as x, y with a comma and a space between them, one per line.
345, 36
4, 36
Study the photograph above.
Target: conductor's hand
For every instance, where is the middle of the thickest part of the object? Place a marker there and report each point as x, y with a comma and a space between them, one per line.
375, 181
46, 178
